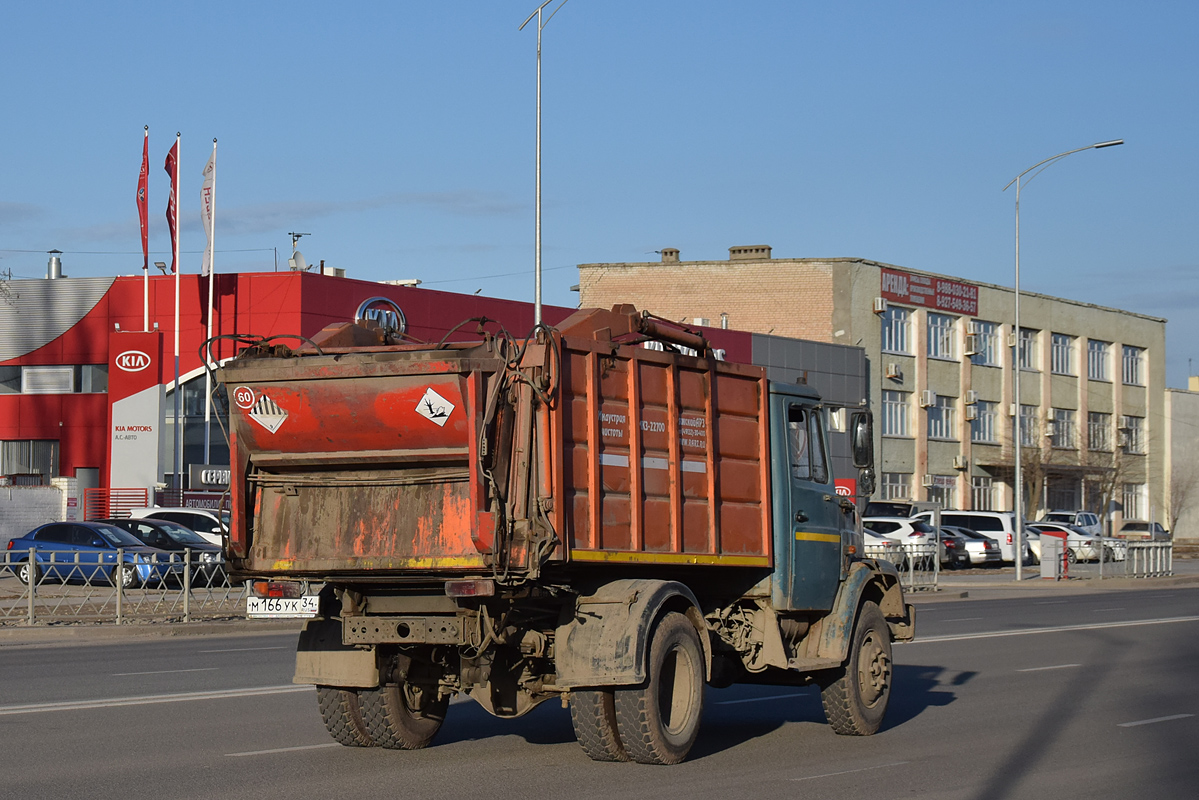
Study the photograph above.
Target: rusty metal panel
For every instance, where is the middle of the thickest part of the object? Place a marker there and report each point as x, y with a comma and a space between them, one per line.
663, 457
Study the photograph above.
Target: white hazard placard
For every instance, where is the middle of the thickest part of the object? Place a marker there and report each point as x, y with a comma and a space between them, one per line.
434, 407
267, 413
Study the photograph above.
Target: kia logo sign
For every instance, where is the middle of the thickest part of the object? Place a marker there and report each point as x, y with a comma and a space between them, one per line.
384, 313
132, 361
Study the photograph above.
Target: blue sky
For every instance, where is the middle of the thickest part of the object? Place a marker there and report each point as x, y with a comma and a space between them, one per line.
401, 136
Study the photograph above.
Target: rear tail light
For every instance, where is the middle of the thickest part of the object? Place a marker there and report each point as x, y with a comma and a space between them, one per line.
474, 588
9, 547
1009, 538
285, 589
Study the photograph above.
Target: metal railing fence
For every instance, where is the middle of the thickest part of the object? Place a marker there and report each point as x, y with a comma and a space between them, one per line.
56, 586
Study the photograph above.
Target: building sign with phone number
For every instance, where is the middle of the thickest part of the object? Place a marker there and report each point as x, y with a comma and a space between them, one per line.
930, 292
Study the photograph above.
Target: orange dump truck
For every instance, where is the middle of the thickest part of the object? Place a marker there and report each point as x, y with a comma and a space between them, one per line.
570, 516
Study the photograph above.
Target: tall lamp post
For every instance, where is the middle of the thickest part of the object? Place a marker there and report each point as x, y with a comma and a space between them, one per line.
1018, 503
540, 27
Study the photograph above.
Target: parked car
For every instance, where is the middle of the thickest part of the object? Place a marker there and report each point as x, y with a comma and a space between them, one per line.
1086, 521
917, 537
956, 554
1082, 546
888, 508
982, 549
212, 524
1146, 531
880, 547
208, 561
88, 551
999, 525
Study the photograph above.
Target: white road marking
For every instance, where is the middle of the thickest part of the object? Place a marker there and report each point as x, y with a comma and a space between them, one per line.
1056, 629
1151, 721
151, 699
1052, 603
283, 750
962, 619
165, 671
1100, 610
1042, 669
758, 699
243, 649
849, 771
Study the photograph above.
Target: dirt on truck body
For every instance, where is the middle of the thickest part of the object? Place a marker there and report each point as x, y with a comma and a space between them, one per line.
568, 516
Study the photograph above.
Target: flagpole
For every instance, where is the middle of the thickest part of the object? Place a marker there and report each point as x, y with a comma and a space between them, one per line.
211, 225
143, 209
178, 388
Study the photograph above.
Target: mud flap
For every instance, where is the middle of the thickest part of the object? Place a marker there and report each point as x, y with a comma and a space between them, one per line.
606, 641
322, 659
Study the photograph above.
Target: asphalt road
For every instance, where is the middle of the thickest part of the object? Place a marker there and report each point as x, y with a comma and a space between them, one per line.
1061, 696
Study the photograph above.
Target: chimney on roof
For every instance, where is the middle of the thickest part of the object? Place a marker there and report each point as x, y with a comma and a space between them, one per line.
54, 266
753, 252
670, 255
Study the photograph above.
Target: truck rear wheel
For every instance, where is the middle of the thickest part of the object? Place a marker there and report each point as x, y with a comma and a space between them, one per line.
392, 717
343, 716
855, 700
659, 720
593, 713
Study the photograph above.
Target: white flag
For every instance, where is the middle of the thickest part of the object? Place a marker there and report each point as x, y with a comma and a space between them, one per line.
208, 208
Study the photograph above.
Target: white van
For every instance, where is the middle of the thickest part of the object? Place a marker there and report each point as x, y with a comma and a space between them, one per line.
999, 525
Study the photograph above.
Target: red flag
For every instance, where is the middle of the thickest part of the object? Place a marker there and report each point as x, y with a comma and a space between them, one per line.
143, 208
172, 168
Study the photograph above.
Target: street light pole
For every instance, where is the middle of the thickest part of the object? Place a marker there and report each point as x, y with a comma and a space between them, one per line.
1018, 487
537, 268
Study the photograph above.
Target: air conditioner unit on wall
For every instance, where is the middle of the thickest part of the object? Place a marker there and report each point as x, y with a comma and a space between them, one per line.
971, 344
880, 305
971, 326
928, 398
928, 481
971, 397
971, 413
893, 370
960, 462
1050, 428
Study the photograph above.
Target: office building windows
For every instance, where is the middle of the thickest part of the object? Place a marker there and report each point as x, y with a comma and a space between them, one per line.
1099, 357
896, 325
940, 336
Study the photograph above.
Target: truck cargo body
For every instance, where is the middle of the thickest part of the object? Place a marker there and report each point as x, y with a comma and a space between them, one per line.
524, 520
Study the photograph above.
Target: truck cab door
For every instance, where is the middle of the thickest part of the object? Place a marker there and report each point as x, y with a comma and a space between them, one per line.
809, 521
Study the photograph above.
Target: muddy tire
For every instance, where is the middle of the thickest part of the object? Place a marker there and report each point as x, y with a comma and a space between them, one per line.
855, 697
343, 716
659, 720
593, 714
387, 712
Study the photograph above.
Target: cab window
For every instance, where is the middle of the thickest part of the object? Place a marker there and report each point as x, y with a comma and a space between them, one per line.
805, 440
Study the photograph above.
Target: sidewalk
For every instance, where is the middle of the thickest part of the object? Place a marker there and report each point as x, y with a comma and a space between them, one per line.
986, 584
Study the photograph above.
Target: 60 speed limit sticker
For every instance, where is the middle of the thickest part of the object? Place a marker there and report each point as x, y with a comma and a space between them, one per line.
243, 396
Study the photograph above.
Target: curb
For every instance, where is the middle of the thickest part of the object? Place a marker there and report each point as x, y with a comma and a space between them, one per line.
73, 634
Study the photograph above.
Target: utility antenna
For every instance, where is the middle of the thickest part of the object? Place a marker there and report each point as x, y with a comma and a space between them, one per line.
295, 237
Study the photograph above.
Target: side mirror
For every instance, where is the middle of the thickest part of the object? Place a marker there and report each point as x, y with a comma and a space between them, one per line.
862, 433
866, 485
97, 542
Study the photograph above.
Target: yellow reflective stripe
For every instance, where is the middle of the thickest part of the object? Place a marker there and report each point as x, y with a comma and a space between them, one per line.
800, 536
627, 557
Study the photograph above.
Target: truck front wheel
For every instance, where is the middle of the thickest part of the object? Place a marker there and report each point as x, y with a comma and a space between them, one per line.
593, 713
343, 716
855, 699
402, 717
659, 720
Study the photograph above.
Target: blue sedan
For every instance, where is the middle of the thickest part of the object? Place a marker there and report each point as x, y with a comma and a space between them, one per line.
88, 551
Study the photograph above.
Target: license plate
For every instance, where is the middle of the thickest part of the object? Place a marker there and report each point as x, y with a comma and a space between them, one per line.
282, 607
